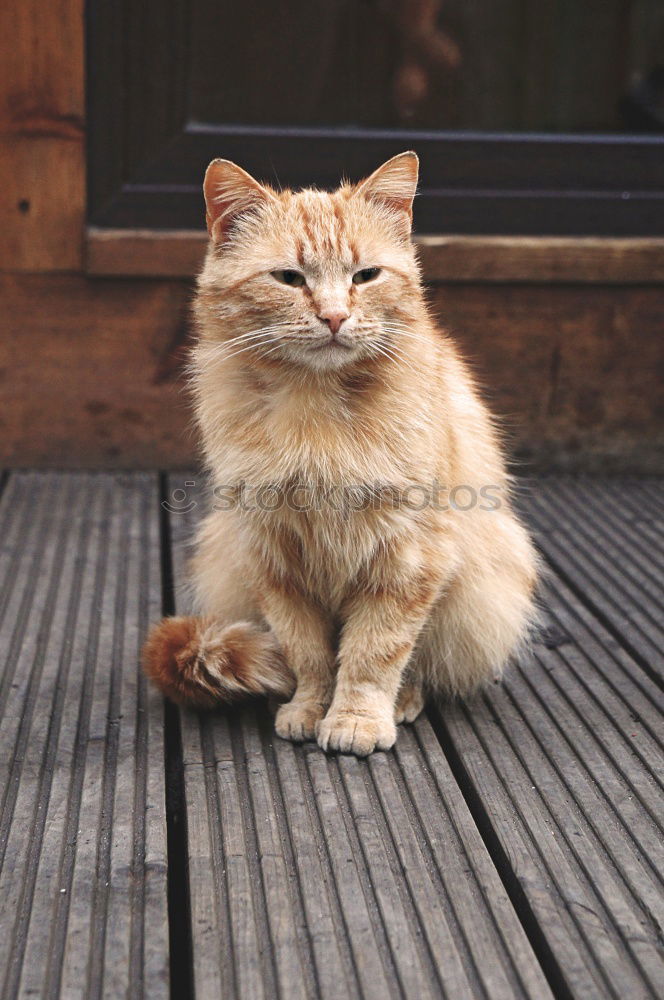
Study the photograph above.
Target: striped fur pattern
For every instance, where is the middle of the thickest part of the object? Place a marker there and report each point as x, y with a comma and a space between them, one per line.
318, 368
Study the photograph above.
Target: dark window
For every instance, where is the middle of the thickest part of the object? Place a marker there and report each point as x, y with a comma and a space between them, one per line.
529, 117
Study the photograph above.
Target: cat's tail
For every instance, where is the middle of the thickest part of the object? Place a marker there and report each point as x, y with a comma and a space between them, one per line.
197, 662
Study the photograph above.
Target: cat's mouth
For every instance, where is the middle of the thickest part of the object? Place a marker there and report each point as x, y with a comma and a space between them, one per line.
332, 343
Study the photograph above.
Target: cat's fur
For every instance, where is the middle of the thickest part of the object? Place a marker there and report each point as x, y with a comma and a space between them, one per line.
353, 610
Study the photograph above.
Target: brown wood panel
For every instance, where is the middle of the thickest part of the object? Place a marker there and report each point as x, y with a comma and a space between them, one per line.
85, 373
574, 260
174, 253
90, 370
567, 260
575, 373
42, 154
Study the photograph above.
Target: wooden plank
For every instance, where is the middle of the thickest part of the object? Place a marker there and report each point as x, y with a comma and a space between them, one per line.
564, 763
168, 253
595, 549
559, 414
637, 509
333, 876
83, 906
534, 259
569, 260
589, 370
89, 373
42, 139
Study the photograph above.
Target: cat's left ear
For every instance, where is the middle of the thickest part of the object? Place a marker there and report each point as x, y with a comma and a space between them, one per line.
229, 193
393, 185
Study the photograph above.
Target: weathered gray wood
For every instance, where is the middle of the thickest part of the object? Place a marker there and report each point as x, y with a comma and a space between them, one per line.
595, 549
656, 493
316, 876
622, 509
566, 761
320, 876
83, 908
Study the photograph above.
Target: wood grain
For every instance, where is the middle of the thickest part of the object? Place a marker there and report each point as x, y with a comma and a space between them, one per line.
574, 373
42, 141
492, 259
91, 371
88, 373
585, 531
564, 765
333, 876
83, 900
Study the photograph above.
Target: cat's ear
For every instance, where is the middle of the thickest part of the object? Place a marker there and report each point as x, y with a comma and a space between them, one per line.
393, 185
229, 192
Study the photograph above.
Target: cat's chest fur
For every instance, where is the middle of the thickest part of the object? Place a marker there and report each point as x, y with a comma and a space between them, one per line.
322, 471
326, 443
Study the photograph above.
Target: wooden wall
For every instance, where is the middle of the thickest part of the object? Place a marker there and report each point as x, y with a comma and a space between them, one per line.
90, 365
42, 135
90, 370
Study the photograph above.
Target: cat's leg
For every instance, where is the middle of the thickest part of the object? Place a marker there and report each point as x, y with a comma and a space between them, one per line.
378, 637
410, 700
304, 635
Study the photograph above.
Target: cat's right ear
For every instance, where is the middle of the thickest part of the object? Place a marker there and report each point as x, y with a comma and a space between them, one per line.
229, 192
393, 186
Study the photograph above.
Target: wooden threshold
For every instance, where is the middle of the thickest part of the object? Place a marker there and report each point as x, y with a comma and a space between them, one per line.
491, 259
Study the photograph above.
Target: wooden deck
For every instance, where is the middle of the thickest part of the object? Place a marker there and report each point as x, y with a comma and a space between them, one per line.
508, 848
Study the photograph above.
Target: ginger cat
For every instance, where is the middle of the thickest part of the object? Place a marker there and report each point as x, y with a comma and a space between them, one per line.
321, 379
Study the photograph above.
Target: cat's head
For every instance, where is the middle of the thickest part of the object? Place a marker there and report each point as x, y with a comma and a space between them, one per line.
312, 278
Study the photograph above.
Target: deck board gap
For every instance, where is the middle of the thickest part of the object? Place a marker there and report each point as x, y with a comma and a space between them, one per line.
179, 903
626, 580
522, 907
582, 806
617, 942
36, 827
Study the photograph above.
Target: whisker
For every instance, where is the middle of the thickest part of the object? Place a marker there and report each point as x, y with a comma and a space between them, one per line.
382, 350
402, 331
248, 347
247, 335
265, 354
250, 335
396, 355
226, 350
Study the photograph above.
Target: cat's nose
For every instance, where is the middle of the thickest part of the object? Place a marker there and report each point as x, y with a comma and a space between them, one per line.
334, 320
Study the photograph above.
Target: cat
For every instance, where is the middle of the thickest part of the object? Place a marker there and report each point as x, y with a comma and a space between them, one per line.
319, 375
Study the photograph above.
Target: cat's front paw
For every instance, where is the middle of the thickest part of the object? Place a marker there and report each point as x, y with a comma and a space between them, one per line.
358, 734
298, 720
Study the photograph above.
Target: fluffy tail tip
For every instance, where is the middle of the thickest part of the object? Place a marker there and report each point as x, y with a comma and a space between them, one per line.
203, 665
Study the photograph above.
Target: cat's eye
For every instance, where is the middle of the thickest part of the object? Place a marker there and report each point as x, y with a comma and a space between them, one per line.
292, 278
366, 274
